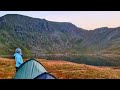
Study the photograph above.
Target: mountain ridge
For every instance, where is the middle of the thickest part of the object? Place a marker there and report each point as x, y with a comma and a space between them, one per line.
35, 36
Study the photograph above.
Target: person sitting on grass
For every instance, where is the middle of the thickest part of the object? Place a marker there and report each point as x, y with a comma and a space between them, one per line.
18, 57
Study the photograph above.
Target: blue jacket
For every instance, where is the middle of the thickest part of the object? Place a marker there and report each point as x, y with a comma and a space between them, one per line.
18, 59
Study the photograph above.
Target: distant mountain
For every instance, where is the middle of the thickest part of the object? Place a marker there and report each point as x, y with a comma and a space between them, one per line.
35, 36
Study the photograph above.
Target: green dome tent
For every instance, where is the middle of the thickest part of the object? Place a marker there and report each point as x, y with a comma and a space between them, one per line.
32, 69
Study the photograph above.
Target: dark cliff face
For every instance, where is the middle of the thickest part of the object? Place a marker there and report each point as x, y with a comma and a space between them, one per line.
41, 36
38, 35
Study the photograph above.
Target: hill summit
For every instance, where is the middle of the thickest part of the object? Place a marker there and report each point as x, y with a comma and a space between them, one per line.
35, 36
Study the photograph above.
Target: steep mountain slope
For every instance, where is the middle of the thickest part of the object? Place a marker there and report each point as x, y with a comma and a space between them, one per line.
103, 39
35, 36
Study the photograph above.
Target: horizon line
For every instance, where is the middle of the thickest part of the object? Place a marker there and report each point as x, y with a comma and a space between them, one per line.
61, 22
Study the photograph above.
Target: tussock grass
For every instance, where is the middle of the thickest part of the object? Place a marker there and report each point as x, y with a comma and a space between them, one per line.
63, 70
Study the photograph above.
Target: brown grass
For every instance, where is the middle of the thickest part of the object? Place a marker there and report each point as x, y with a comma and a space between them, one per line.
63, 70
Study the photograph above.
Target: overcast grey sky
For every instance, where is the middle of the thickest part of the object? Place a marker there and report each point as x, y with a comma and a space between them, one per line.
83, 19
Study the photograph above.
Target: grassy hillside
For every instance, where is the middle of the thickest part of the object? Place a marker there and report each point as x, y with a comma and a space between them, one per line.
36, 36
64, 70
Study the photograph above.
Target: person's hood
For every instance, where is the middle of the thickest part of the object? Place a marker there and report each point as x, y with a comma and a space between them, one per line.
18, 50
